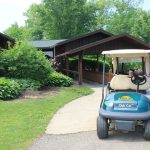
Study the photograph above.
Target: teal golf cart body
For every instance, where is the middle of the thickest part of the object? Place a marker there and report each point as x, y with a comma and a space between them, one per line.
125, 101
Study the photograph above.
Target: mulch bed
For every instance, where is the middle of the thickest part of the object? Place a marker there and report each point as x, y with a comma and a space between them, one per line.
30, 94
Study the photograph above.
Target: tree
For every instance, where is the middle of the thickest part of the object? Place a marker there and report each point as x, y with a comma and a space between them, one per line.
141, 28
120, 15
36, 20
62, 18
103, 12
18, 33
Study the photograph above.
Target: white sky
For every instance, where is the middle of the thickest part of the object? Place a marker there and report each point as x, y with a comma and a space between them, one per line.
12, 11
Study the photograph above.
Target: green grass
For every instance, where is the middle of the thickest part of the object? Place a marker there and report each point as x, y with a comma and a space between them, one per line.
21, 122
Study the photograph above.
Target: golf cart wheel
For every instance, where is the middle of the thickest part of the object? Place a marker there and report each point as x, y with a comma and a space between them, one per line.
147, 131
102, 127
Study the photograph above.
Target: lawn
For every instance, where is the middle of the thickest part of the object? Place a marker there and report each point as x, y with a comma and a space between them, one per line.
22, 121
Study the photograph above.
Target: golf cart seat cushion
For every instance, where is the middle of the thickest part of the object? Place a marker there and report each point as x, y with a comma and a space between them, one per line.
123, 82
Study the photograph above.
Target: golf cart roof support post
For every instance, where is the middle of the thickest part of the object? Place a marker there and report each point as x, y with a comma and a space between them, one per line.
143, 65
103, 80
112, 65
117, 65
122, 67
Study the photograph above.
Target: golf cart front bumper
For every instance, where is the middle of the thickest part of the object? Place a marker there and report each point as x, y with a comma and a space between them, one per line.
127, 116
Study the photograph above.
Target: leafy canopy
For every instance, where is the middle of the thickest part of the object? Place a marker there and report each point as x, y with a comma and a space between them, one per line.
19, 33
119, 16
63, 19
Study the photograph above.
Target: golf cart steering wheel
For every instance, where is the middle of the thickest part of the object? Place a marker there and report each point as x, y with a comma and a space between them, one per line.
138, 79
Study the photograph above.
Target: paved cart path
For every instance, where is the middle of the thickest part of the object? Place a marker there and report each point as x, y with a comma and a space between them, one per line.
90, 141
78, 115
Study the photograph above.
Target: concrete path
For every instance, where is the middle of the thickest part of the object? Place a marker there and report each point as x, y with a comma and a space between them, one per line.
78, 115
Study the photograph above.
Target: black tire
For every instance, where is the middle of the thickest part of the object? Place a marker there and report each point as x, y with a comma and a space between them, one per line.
147, 131
102, 127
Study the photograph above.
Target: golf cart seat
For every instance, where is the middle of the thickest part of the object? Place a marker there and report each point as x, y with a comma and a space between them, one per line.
123, 82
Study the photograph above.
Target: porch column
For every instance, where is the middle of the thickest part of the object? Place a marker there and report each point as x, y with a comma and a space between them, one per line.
97, 68
61, 63
67, 65
80, 69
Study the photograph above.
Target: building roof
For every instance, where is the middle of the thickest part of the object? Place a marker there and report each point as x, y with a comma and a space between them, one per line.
86, 35
124, 36
43, 44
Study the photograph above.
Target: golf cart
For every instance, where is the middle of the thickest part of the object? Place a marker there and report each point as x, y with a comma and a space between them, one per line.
125, 102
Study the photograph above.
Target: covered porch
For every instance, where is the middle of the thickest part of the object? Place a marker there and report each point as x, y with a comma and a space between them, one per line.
122, 41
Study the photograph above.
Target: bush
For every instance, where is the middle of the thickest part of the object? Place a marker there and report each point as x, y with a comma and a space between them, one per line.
9, 89
25, 61
59, 79
28, 84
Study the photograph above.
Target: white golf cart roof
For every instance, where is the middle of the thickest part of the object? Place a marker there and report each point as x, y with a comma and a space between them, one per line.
127, 53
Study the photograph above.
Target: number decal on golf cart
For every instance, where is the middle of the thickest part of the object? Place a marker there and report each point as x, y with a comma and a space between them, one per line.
127, 105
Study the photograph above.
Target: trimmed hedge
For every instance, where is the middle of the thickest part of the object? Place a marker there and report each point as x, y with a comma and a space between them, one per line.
28, 84
12, 88
59, 80
9, 89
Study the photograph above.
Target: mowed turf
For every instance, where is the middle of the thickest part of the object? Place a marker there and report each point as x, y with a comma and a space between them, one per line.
22, 121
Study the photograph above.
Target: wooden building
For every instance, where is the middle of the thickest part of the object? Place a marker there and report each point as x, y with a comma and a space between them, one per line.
57, 47
93, 44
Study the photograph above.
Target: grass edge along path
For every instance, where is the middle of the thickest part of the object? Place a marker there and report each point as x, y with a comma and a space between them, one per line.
21, 122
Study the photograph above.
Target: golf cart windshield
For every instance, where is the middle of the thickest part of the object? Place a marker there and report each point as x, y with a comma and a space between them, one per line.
123, 80
129, 55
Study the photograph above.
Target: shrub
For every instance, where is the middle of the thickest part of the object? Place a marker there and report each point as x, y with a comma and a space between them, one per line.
9, 89
59, 79
25, 61
28, 84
